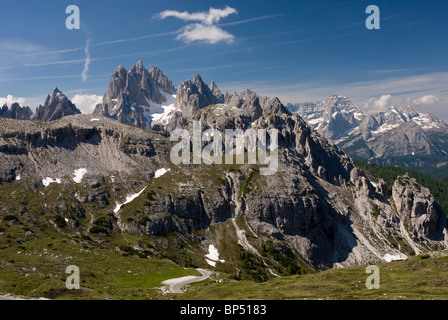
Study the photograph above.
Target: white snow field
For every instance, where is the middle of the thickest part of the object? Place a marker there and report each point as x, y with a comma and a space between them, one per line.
47, 181
79, 174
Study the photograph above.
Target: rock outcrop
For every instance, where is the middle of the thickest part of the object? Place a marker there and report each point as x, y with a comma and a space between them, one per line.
417, 208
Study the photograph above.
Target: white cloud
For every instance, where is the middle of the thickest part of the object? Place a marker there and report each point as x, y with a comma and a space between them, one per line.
206, 30
86, 103
378, 103
206, 33
208, 18
428, 99
86, 62
9, 100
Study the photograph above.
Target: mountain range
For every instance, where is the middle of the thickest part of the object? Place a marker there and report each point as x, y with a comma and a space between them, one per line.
56, 106
106, 177
398, 136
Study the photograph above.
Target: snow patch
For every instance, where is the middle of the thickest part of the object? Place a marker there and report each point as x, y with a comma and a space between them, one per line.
18, 177
213, 256
47, 181
128, 200
394, 110
160, 172
79, 174
211, 263
315, 121
385, 128
358, 115
160, 113
93, 120
390, 257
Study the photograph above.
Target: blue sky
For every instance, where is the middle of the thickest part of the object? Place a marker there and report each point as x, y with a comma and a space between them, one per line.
297, 50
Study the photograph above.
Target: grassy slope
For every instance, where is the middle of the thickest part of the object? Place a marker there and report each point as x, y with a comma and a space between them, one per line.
420, 277
33, 261
37, 269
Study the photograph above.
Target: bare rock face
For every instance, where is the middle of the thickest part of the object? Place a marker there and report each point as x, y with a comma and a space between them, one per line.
99, 144
130, 94
418, 209
253, 105
55, 107
16, 112
361, 183
381, 190
191, 96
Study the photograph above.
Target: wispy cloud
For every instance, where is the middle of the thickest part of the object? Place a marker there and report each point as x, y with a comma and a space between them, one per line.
206, 29
385, 71
39, 78
51, 63
148, 36
84, 75
16, 52
42, 53
211, 17
202, 69
235, 23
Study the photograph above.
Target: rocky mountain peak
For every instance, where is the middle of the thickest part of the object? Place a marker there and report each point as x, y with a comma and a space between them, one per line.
55, 107
408, 110
132, 94
197, 80
191, 96
215, 90
140, 65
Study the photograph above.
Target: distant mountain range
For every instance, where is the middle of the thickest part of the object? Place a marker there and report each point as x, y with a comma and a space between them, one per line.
398, 136
55, 107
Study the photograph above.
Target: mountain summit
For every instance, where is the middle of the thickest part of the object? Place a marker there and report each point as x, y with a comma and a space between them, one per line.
55, 107
132, 96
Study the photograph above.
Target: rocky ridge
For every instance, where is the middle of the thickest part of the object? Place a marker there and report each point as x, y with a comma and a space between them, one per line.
16, 112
